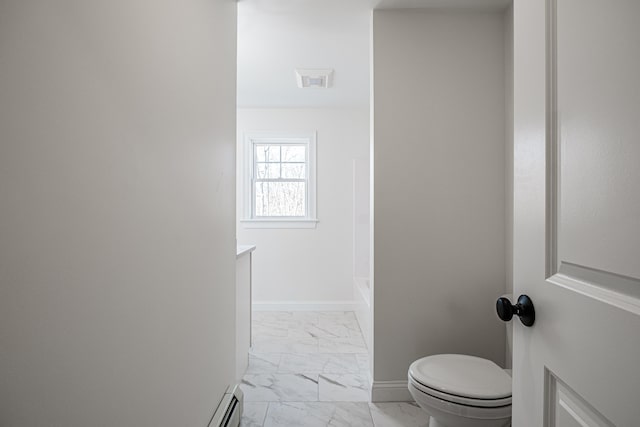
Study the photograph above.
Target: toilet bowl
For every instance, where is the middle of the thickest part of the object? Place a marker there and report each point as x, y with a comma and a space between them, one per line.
461, 391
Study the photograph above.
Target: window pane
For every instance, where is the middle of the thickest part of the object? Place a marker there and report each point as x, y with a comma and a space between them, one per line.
267, 153
280, 199
293, 170
267, 170
293, 153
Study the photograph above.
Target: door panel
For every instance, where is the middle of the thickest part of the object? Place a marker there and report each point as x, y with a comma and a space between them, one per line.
568, 409
598, 133
577, 212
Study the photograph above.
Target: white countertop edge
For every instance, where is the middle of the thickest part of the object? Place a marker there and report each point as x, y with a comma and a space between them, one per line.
244, 249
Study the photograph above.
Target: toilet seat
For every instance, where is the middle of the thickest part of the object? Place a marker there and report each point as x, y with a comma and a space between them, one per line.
438, 408
461, 379
451, 398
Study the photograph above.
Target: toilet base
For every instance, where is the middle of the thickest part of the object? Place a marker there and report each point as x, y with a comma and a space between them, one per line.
435, 423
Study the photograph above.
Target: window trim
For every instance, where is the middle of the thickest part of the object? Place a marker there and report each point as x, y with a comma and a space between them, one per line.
250, 139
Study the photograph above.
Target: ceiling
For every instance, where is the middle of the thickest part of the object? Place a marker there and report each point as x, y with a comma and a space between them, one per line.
277, 36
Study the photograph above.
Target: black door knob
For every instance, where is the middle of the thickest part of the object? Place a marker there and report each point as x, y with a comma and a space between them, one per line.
523, 309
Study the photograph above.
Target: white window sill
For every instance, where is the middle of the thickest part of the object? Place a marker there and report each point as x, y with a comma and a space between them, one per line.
279, 223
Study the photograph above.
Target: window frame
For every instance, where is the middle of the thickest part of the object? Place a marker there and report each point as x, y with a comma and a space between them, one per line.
250, 141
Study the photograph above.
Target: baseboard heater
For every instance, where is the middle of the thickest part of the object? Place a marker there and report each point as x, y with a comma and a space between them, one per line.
229, 410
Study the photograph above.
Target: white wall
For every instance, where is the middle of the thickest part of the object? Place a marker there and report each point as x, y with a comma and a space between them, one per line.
277, 36
439, 196
310, 265
117, 178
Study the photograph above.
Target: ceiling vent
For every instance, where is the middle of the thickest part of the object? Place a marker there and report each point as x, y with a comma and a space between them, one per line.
314, 78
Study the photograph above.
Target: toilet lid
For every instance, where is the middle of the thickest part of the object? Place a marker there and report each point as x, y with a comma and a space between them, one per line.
462, 375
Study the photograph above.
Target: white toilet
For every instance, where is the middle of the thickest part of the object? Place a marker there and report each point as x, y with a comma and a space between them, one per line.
461, 391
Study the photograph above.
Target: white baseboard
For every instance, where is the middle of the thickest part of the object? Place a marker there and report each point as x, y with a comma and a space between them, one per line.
390, 391
304, 305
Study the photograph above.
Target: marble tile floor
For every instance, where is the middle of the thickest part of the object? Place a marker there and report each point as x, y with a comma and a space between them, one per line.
311, 369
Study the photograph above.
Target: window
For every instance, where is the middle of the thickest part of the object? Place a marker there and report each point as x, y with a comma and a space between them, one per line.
279, 181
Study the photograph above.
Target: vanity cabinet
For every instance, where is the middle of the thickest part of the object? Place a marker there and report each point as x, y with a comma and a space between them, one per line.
243, 307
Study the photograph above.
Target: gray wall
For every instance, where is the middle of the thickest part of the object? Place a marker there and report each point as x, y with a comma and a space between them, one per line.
117, 211
439, 197
508, 53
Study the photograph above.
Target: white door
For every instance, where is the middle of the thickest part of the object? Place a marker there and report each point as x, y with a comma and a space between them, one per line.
577, 212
